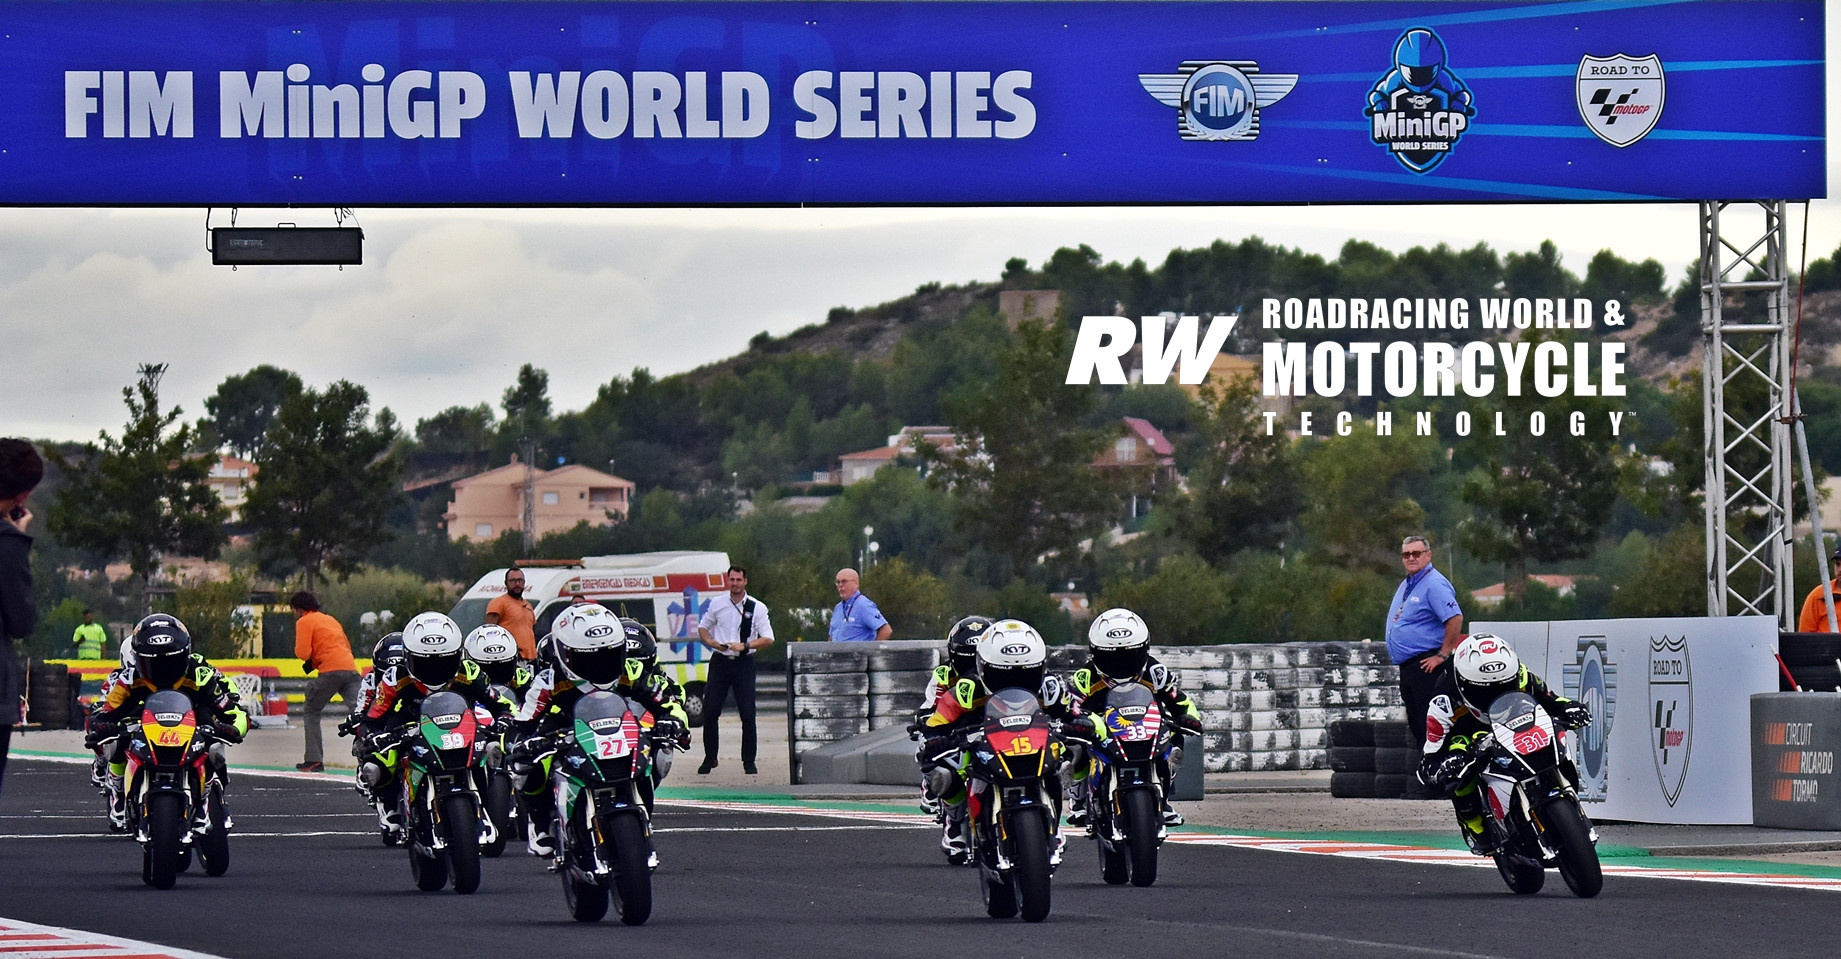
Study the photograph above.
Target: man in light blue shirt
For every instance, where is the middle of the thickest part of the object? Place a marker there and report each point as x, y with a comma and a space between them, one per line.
1424, 624
856, 619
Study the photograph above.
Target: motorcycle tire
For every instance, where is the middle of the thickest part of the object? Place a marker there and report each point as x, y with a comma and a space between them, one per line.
1142, 823
185, 857
1114, 864
429, 872
461, 818
214, 846
586, 898
998, 893
165, 826
1029, 834
1522, 877
1567, 833
498, 808
626, 835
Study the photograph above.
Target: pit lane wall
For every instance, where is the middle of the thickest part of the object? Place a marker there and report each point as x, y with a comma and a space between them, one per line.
1264, 707
1671, 709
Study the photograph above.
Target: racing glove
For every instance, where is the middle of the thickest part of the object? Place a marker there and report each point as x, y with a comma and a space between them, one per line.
98, 732
1575, 715
1443, 770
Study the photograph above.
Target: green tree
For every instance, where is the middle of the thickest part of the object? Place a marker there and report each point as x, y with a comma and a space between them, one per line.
457, 429
217, 614
1359, 504
244, 405
1185, 602
1022, 470
141, 495
1246, 489
913, 600
327, 478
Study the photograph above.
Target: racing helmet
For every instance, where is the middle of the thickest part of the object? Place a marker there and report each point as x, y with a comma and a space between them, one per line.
591, 645
162, 650
1012, 655
640, 643
1119, 643
962, 644
388, 652
127, 654
1419, 55
1486, 667
496, 652
432, 648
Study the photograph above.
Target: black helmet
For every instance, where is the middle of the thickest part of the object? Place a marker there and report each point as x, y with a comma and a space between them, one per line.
388, 651
162, 649
962, 644
640, 644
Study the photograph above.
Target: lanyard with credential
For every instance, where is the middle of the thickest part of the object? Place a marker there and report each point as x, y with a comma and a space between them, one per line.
1406, 596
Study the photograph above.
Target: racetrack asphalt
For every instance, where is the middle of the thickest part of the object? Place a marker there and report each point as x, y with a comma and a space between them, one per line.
309, 878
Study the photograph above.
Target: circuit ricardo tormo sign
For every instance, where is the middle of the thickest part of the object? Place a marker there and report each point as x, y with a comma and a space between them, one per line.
765, 103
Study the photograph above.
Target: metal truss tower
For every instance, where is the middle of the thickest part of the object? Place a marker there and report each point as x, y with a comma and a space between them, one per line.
1745, 372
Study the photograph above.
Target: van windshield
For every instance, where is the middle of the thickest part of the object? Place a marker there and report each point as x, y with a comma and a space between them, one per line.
470, 614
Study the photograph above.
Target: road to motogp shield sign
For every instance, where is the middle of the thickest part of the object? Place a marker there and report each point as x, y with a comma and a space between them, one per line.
1620, 98
1671, 703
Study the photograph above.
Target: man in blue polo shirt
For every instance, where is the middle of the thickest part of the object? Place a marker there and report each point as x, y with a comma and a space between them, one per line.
1424, 624
856, 619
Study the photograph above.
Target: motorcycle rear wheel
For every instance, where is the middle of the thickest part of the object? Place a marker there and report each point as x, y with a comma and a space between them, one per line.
429, 872
1141, 827
165, 825
1578, 857
1523, 878
626, 835
998, 892
1114, 864
214, 846
1029, 835
498, 809
461, 818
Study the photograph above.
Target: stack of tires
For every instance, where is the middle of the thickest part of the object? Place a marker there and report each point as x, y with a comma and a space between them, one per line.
48, 696
1372, 759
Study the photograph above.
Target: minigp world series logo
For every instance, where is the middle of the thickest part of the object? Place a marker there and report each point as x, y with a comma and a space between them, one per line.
1419, 109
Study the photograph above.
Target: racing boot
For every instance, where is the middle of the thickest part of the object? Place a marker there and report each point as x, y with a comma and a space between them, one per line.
953, 840
651, 854
537, 840
99, 772
389, 824
1077, 805
1056, 844
1170, 816
118, 804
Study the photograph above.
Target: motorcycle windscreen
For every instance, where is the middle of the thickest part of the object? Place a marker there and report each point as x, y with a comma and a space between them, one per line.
168, 720
1522, 726
449, 726
607, 732
1131, 713
1016, 730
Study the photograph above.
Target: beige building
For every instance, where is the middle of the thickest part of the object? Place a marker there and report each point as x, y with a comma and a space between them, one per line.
492, 502
230, 476
856, 467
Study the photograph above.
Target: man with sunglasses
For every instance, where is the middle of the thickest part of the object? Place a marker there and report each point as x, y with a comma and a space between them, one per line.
1424, 624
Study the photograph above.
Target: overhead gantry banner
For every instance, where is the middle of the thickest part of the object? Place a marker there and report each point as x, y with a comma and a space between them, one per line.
765, 103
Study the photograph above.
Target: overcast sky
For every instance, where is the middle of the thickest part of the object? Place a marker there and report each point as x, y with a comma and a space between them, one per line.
450, 303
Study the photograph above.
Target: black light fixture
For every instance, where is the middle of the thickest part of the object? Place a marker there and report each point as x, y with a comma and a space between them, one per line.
286, 244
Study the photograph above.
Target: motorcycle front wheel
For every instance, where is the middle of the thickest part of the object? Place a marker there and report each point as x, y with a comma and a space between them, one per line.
1566, 831
1141, 826
214, 845
626, 839
165, 827
1029, 835
1522, 877
461, 818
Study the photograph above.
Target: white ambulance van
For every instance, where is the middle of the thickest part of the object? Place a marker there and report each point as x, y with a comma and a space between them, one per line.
667, 591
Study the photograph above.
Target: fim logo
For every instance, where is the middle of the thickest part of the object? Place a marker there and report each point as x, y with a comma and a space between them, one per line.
1620, 98
1592, 680
1419, 109
1218, 99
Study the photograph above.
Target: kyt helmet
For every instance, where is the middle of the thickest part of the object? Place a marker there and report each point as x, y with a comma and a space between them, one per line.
1119, 643
1012, 655
591, 645
1486, 668
496, 652
640, 644
388, 652
162, 650
962, 644
1419, 55
432, 648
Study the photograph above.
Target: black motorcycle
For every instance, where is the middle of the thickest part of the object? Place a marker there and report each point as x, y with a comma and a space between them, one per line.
174, 788
1532, 793
1014, 804
603, 834
439, 799
1125, 794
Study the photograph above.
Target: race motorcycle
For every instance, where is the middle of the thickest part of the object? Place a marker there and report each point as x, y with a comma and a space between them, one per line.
174, 784
604, 835
438, 798
1125, 797
1013, 804
493, 781
1531, 789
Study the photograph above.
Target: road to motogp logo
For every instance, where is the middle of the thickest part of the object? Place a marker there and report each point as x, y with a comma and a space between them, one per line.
1218, 99
1620, 97
1671, 699
1420, 108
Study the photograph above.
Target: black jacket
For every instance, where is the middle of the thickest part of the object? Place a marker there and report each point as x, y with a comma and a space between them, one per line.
18, 614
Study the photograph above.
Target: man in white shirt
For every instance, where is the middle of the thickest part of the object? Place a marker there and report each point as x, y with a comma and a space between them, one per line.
734, 627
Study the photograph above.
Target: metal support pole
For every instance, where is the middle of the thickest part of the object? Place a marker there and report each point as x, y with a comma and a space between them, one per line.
1815, 514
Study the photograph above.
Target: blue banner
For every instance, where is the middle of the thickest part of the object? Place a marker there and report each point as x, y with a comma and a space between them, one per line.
766, 103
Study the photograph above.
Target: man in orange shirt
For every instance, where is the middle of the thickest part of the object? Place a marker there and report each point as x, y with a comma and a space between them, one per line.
1814, 618
514, 613
321, 644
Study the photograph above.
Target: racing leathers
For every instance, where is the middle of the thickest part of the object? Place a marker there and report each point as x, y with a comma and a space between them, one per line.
213, 699
396, 703
1453, 729
1090, 687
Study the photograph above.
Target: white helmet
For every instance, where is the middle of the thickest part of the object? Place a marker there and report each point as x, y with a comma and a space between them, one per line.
494, 649
1012, 655
431, 648
1486, 667
590, 643
1120, 644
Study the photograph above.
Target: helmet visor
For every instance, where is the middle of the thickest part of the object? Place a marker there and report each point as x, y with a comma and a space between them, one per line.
598, 666
437, 670
1121, 663
164, 670
1028, 678
1420, 78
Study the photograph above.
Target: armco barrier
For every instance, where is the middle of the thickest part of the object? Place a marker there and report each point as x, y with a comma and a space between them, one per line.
1264, 707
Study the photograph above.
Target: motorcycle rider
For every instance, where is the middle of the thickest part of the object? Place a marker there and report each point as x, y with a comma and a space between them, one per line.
1484, 667
99, 767
1011, 655
495, 651
433, 661
642, 672
961, 663
388, 652
1119, 652
163, 659
589, 646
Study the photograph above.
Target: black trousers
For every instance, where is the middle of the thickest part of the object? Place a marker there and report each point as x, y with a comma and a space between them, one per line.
1416, 689
729, 674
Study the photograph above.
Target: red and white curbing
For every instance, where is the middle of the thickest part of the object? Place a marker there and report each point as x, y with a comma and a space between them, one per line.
26, 940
